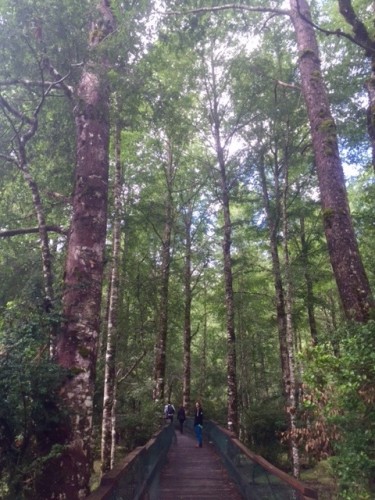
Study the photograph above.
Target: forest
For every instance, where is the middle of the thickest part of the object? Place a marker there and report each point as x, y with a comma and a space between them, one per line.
186, 214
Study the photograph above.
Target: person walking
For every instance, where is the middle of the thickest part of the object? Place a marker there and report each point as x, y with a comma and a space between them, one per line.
181, 417
198, 424
169, 411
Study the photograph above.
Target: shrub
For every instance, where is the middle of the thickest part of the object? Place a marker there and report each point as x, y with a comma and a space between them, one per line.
341, 392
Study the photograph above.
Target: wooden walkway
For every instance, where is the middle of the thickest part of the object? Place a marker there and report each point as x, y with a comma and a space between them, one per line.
195, 473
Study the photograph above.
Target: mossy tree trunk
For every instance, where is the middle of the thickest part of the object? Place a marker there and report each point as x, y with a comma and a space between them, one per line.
68, 474
351, 278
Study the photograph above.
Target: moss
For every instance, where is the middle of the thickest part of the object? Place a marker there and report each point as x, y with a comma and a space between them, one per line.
84, 352
327, 213
328, 128
75, 371
316, 76
307, 53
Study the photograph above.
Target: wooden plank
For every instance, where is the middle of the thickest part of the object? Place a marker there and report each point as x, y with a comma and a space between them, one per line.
195, 473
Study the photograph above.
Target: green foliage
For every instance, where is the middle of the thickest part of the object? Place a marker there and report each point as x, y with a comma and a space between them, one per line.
28, 399
263, 423
343, 392
138, 417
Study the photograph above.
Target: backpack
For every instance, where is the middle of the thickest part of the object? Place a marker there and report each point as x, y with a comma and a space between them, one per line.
170, 410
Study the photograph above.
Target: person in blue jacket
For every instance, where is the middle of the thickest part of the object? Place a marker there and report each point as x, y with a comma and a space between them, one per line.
198, 424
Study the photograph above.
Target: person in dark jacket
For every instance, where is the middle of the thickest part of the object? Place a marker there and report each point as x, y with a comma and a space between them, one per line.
181, 417
198, 424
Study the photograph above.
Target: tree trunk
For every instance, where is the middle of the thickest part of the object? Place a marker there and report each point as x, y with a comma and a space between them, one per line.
309, 283
67, 475
113, 426
203, 356
351, 279
292, 400
44, 243
370, 88
161, 341
273, 224
110, 357
215, 119
186, 389
229, 305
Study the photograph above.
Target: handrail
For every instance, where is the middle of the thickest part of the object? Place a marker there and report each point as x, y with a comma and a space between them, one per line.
134, 476
303, 490
137, 476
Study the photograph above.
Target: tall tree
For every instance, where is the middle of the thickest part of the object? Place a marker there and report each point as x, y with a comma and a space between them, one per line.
350, 275
273, 224
292, 397
215, 95
169, 167
77, 342
186, 383
113, 312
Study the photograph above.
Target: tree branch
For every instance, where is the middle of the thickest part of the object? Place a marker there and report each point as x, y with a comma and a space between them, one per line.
13, 111
229, 6
361, 34
60, 80
132, 368
32, 230
287, 85
367, 44
8, 158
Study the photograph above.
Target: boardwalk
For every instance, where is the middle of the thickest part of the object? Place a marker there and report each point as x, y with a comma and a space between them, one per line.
195, 473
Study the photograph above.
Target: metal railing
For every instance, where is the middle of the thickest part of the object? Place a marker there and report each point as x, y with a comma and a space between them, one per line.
256, 478
137, 477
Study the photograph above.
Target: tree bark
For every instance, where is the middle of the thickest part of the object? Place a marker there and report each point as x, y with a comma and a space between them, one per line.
161, 341
67, 475
232, 402
351, 279
370, 88
77, 343
186, 389
309, 283
273, 221
292, 399
44, 243
110, 357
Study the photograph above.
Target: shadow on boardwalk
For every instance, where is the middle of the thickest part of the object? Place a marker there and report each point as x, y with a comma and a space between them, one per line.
195, 473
